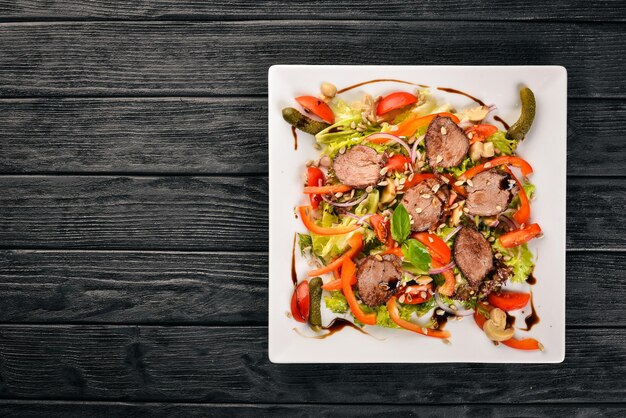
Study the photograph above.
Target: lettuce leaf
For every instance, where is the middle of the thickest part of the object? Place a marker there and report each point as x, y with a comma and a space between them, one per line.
336, 302
521, 260
501, 142
465, 165
304, 242
529, 188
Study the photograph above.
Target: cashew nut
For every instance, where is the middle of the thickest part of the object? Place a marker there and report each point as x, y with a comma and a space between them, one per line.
490, 220
488, 150
476, 151
455, 218
477, 113
495, 326
389, 193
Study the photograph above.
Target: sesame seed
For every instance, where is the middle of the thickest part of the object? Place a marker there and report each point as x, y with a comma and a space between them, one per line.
445, 180
487, 165
498, 256
470, 135
342, 150
507, 258
426, 196
360, 125
439, 159
391, 154
454, 206
465, 210
435, 188
378, 257
399, 187
317, 146
384, 171
393, 202
383, 183
309, 163
402, 180
412, 222
498, 208
458, 183
338, 194
423, 294
424, 280
418, 210
430, 239
421, 164
454, 308
369, 189
443, 131
446, 341
353, 125
401, 299
492, 239
411, 176
439, 312
359, 129
470, 183
352, 193
409, 298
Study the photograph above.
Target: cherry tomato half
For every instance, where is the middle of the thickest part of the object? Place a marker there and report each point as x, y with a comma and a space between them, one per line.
509, 301
397, 163
300, 302
381, 227
395, 101
314, 178
317, 107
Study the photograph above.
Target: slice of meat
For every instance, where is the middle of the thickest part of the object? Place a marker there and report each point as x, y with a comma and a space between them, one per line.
472, 254
425, 202
359, 167
490, 193
377, 278
446, 143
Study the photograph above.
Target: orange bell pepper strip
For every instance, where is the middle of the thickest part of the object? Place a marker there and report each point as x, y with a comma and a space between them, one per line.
437, 248
305, 214
348, 274
524, 344
520, 236
494, 162
330, 189
355, 242
411, 124
522, 216
394, 250
392, 307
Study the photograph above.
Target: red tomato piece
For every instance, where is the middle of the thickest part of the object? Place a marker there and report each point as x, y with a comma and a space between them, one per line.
381, 227
300, 302
317, 107
397, 163
520, 236
315, 178
480, 132
395, 101
509, 301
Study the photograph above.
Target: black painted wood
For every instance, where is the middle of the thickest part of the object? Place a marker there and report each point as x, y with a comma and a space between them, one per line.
225, 58
559, 10
209, 135
67, 409
113, 287
229, 364
214, 213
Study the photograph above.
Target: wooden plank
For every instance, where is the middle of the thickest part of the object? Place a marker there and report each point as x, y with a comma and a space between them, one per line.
222, 58
184, 135
612, 10
69, 409
209, 135
119, 287
216, 288
230, 365
134, 212
214, 213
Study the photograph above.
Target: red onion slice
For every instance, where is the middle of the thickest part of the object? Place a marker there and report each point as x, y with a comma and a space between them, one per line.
389, 137
359, 219
414, 149
452, 233
457, 312
443, 269
510, 223
345, 204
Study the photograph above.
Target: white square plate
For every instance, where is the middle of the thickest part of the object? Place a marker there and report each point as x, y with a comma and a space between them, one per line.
545, 149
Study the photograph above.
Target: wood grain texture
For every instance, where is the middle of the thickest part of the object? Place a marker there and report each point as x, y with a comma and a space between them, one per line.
69, 409
122, 287
222, 58
182, 135
230, 365
209, 135
134, 212
209, 213
612, 10
216, 288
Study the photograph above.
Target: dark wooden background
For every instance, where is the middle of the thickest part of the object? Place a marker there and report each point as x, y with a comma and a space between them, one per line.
133, 205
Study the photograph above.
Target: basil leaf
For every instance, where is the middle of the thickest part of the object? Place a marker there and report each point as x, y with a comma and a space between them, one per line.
417, 254
400, 224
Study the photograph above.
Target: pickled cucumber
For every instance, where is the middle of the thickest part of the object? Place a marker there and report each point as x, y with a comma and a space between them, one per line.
520, 128
302, 122
315, 295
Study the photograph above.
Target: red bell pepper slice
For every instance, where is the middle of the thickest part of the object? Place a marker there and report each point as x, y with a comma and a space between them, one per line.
348, 275
522, 216
398, 163
330, 189
305, 215
356, 244
437, 247
411, 124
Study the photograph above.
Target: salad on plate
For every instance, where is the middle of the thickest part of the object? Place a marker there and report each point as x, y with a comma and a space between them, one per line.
416, 212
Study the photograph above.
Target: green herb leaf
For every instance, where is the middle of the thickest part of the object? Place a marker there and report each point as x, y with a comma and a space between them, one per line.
417, 254
400, 224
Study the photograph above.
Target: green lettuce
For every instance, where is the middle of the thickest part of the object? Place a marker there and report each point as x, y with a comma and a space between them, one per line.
330, 246
521, 260
304, 242
505, 145
336, 302
529, 188
465, 165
